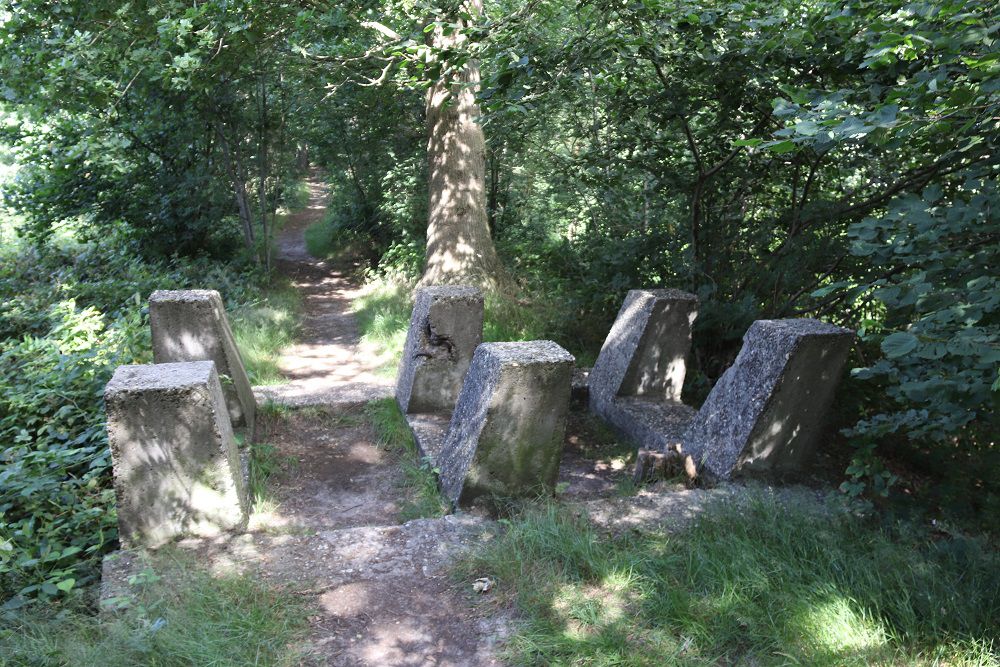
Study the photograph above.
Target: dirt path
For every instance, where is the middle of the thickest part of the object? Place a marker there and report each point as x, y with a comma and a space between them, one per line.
328, 365
329, 527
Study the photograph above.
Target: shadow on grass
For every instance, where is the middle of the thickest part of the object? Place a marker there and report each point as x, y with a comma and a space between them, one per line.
747, 583
181, 616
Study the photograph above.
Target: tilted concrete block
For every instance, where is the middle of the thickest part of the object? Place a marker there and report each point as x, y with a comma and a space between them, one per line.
506, 434
768, 409
636, 383
191, 325
445, 327
176, 467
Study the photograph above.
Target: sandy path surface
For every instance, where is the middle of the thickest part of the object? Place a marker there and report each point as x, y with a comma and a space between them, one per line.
328, 365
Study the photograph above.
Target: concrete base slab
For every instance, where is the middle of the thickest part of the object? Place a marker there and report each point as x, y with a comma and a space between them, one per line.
649, 423
429, 430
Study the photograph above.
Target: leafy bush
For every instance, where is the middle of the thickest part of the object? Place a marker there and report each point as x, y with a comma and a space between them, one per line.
71, 313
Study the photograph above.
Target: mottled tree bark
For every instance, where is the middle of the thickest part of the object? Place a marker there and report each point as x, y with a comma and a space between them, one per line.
459, 246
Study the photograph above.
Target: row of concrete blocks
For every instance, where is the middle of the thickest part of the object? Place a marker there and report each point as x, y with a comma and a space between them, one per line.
172, 426
492, 416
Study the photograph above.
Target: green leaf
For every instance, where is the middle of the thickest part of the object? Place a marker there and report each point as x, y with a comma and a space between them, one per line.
899, 344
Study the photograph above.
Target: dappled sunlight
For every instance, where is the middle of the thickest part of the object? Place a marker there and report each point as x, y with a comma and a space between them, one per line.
834, 625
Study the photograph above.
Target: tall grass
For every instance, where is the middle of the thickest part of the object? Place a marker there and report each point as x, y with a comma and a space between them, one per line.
182, 617
753, 583
264, 328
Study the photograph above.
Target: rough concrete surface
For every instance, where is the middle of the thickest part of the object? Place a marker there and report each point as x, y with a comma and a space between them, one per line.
191, 325
446, 326
645, 352
767, 410
327, 527
505, 436
176, 467
636, 383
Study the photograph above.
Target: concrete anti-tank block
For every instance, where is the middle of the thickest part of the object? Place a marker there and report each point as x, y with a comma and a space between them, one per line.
445, 327
191, 325
636, 383
767, 410
176, 467
506, 434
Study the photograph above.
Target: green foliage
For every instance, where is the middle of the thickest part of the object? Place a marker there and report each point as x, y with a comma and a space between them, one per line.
182, 617
944, 298
749, 582
71, 313
419, 476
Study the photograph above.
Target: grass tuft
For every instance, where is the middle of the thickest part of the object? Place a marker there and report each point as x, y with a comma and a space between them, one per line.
424, 500
263, 329
182, 617
747, 583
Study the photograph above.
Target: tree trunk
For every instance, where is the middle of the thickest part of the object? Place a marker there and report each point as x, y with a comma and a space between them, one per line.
459, 246
239, 188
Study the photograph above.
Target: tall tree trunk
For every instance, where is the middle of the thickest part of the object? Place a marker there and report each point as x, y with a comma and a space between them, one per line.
459, 246
262, 171
235, 172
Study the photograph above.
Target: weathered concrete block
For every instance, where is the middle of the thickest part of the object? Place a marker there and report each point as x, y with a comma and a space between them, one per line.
636, 383
176, 467
191, 325
445, 328
767, 410
506, 434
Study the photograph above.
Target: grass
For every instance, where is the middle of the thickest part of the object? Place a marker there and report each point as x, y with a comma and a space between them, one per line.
264, 328
182, 617
749, 584
423, 499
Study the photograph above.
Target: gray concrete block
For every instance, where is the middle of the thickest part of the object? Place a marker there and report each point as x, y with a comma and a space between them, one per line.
191, 325
445, 327
176, 467
767, 410
506, 434
636, 383
645, 352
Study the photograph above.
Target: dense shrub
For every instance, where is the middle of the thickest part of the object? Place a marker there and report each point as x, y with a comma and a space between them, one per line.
71, 313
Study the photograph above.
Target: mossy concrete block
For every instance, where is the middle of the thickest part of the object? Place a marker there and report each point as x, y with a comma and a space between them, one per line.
176, 467
445, 327
506, 433
191, 325
767, 410
636, 383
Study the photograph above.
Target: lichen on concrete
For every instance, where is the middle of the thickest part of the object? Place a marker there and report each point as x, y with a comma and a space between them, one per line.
767, 410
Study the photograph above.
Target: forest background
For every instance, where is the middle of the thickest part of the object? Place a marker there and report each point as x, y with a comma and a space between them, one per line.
800, 158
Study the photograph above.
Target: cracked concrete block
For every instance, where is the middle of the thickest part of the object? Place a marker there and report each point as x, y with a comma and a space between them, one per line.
191, 325
767, 410
506, 434
445, 328
177, 470
636, 383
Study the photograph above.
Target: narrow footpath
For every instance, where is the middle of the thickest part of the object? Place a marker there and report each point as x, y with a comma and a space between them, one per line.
328, 365
329, 525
